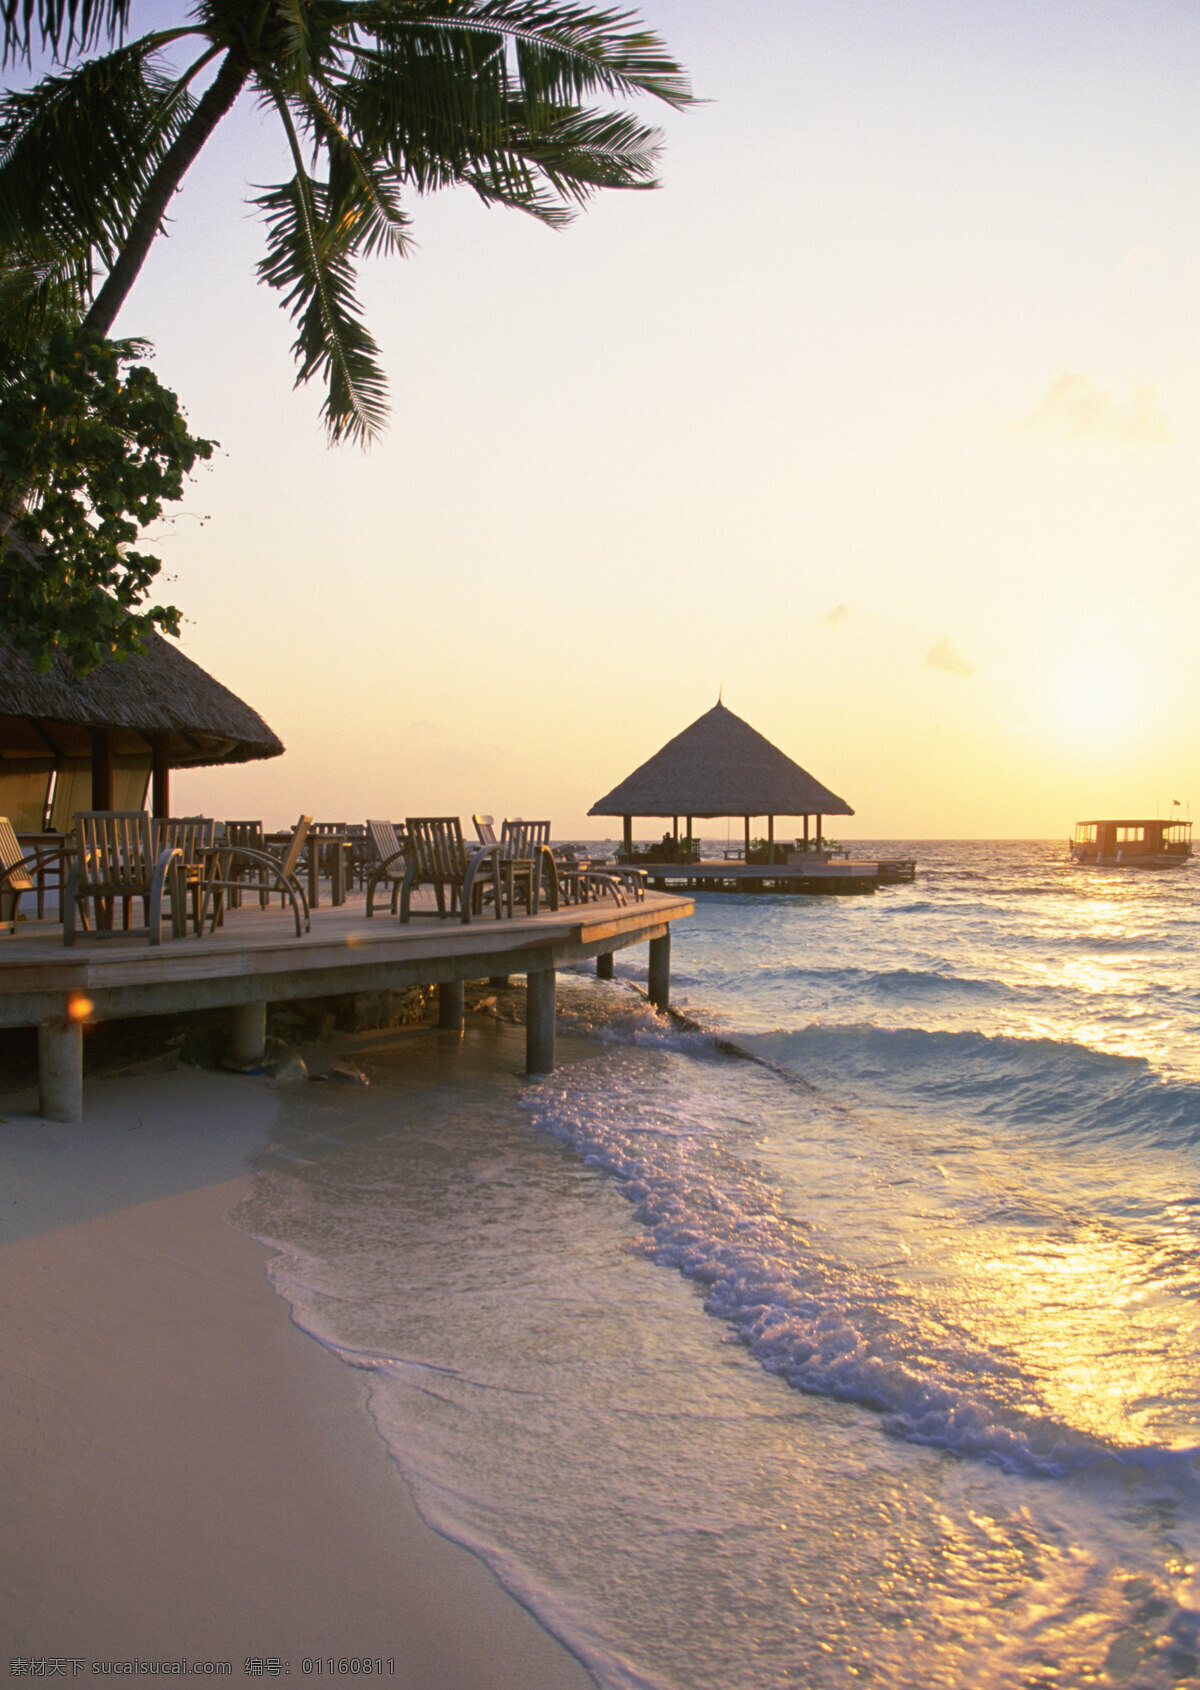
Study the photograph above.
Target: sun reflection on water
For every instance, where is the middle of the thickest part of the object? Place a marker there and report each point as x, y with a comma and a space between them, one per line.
1105, 1339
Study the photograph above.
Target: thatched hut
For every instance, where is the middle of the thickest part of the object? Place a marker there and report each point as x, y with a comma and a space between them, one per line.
721, 766
104, 739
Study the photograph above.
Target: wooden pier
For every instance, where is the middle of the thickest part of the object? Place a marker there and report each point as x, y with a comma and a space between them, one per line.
255, 959
846, 876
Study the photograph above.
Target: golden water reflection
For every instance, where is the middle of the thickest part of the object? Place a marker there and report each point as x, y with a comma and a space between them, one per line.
1104, 1338
1115, 990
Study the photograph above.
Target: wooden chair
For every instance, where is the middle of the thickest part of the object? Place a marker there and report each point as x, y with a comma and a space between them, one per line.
193, 837
359, 855
391, 861
273, 874
515, 874
248, 835
115, 858
438, 857
529, 861
326, 855
15, 877
580, 883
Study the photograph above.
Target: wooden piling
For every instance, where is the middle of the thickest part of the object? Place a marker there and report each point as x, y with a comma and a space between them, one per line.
450, 1006
659, 985
539, 1021
248, 1034
60, 1070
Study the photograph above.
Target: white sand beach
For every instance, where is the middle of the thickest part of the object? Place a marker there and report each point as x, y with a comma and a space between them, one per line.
186, 1474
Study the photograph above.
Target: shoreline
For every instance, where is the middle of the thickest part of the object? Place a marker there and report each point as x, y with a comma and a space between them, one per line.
188, 1473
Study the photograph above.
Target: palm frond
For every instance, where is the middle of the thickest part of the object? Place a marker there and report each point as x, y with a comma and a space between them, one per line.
77, 150
61, 25
363, 192
444, 100
579, 152
562, 169
565, 52
308, 260
431, 104
40, 286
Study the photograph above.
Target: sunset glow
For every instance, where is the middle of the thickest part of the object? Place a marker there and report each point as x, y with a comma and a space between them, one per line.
892, 387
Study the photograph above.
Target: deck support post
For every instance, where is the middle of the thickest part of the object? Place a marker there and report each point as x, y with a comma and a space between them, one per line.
60, 1070
450, 1006
604, 966
539, 1022
659, 985
248, 1034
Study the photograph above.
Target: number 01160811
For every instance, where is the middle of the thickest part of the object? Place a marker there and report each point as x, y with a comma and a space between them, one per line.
347, 1666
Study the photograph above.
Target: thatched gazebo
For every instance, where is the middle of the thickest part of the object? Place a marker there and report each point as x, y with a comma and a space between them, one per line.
104, 739
720, 766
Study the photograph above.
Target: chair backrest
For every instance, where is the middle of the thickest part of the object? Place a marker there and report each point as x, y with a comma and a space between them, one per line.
523, 839
114, 850
292, 855
11, 855
485, 827
437, 848
386, 841
189, 835
321, 829
249, 834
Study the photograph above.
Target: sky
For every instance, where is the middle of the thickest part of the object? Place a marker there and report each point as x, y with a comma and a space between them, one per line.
881, 418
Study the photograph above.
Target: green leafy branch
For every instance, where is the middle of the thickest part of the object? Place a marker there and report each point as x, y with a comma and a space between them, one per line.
92, 446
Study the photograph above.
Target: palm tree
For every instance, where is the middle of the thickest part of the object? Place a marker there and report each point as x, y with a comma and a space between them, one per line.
374, 97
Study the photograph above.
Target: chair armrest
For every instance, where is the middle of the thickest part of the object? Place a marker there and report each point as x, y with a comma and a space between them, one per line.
261, 859
549, 867
475, 862
286, 883
27, 865
382, 866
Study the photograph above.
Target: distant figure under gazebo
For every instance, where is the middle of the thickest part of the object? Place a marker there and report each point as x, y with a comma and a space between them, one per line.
721, 766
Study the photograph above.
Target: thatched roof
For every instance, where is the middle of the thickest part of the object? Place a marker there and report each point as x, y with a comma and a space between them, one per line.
161, 691
720, 766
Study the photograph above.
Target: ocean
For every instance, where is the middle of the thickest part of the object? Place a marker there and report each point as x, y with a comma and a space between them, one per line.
847, 1332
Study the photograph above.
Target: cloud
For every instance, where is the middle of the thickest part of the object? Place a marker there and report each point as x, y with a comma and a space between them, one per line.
942, 655
423, 730
1073, 405
839, 613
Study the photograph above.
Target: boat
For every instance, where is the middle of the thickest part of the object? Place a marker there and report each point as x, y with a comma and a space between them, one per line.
1132, 843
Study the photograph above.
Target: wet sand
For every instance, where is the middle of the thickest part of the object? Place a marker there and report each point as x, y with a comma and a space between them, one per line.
186, 1474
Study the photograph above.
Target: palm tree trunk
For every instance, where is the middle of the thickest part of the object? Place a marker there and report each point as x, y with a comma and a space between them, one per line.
211, 108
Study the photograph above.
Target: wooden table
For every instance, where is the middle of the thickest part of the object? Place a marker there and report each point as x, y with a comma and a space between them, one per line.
339, 845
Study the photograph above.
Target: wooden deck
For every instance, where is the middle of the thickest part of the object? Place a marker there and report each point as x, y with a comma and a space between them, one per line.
255, 959
843, 875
